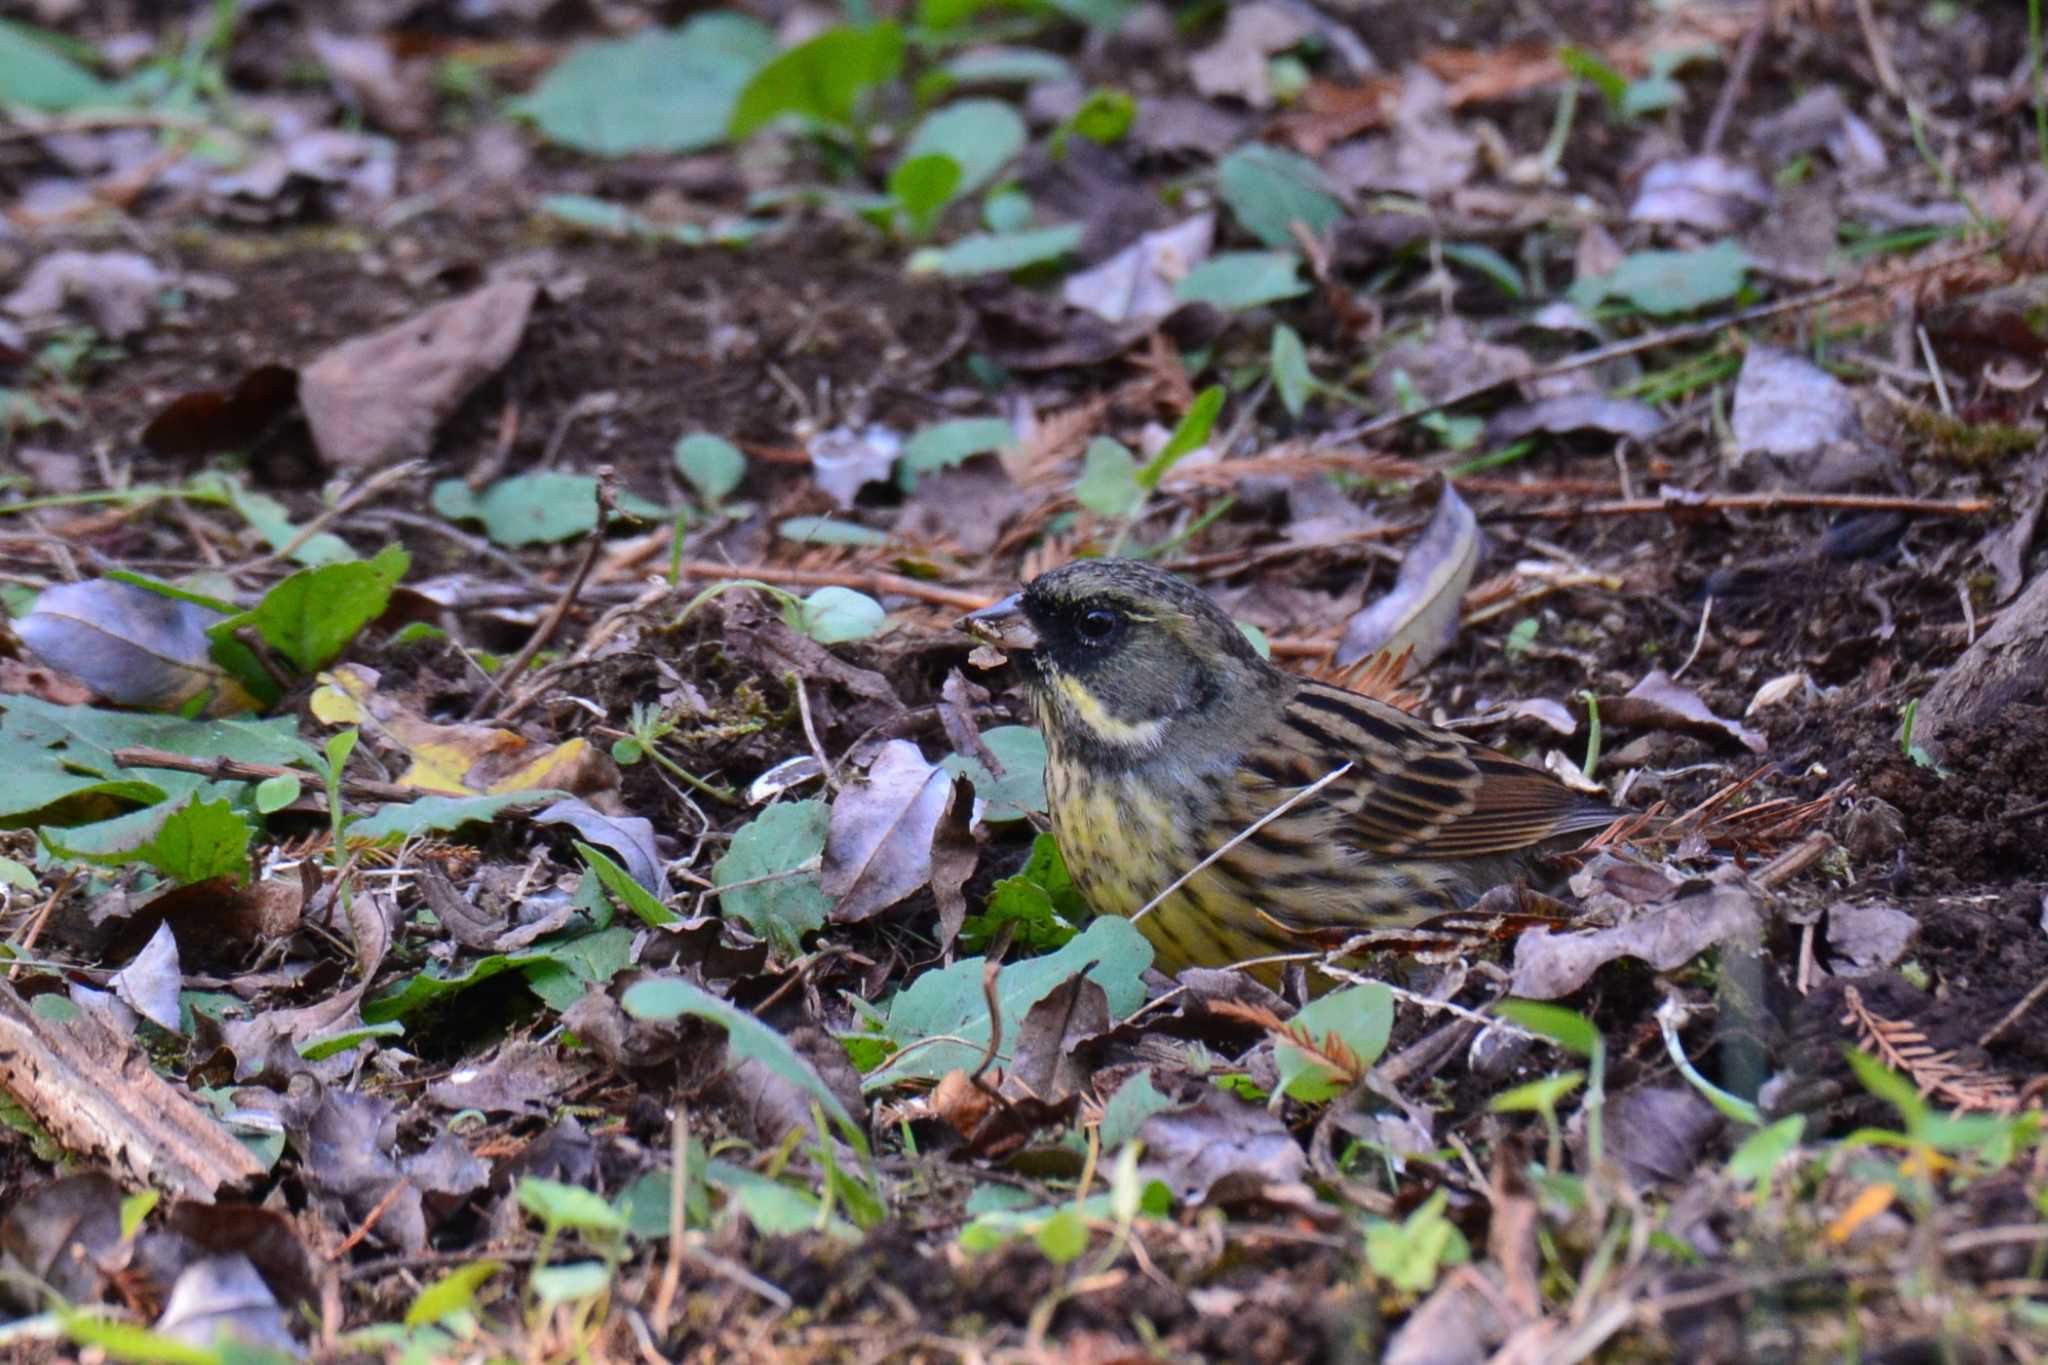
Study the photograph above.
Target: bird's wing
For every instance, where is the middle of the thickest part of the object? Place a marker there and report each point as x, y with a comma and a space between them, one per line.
1412, 788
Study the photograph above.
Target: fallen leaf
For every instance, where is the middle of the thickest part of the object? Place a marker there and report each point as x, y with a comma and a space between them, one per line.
118, 289
844, 461
1707, 193
461, 760
1549, 965
879, 847
1421, 611
1221, 1150
1870, 938
1136, 285
376, 399
1794, 422
1660, 703
133, 646
149, 985
206, 421
1576, 412
1236, 63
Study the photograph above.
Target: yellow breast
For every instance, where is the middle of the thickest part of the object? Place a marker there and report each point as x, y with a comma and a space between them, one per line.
1125, 840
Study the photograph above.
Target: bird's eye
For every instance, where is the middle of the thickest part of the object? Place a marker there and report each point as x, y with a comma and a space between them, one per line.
1096, 625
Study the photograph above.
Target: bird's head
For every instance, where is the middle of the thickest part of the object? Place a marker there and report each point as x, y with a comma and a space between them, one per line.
1123, 659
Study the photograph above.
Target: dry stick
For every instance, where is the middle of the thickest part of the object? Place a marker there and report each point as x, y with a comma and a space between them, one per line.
2012, 1016
343, 505
1738, 77
558, 613
1635, 346
1247, 832
872, 580
1757, 502
236, 770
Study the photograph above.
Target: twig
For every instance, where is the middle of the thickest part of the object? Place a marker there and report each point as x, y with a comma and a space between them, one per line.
678, 1189
558, 613
1247, 832
2012, 1016
237, 770
1738, 77
1600, 355
350, 1242
872, 580
343, 505
1756, 502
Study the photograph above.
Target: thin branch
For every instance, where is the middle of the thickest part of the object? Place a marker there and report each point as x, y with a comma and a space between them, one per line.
1757, 502
559, 613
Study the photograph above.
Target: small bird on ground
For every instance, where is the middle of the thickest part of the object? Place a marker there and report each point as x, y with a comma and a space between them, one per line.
1168, 739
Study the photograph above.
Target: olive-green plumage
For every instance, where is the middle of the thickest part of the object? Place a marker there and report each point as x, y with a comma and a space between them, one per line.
1167, 735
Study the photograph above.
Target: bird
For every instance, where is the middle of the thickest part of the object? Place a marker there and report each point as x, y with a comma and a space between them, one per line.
1246, 815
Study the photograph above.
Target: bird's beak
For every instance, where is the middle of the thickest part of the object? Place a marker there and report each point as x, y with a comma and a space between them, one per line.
1003, 625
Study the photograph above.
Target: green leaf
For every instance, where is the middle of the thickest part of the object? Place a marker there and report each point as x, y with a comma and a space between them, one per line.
312, 616
624, 889
334, 1044
527, 509
834, 614
1489, 263
1041, 901
17, 874
994, 253
1569, 1029
1666, 282
1287, 362
1109, 485
665, 997
829, 531
1587, 66
1237, 280
1105, 116
948, 444
561, 970
572, 1283
273, 794
713, 466
776, 844
941, 1020
922, 186
659, 91
187, 841
1540, 1096
1020, 791
453, 1293
1889, 1086
1006, 66
1135, 1101
269, 518
33, 73
1411, 1254
1751, 1163
568, 1206
823, 79
441, 814
981, 136
127, 1341
1270, 189
1062, 1237
1194, 428
1361, 1017
134, 1209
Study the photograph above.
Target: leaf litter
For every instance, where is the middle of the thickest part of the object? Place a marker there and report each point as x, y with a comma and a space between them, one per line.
380, 850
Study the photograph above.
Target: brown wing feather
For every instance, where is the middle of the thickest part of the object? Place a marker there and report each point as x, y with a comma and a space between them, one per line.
1416, 789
